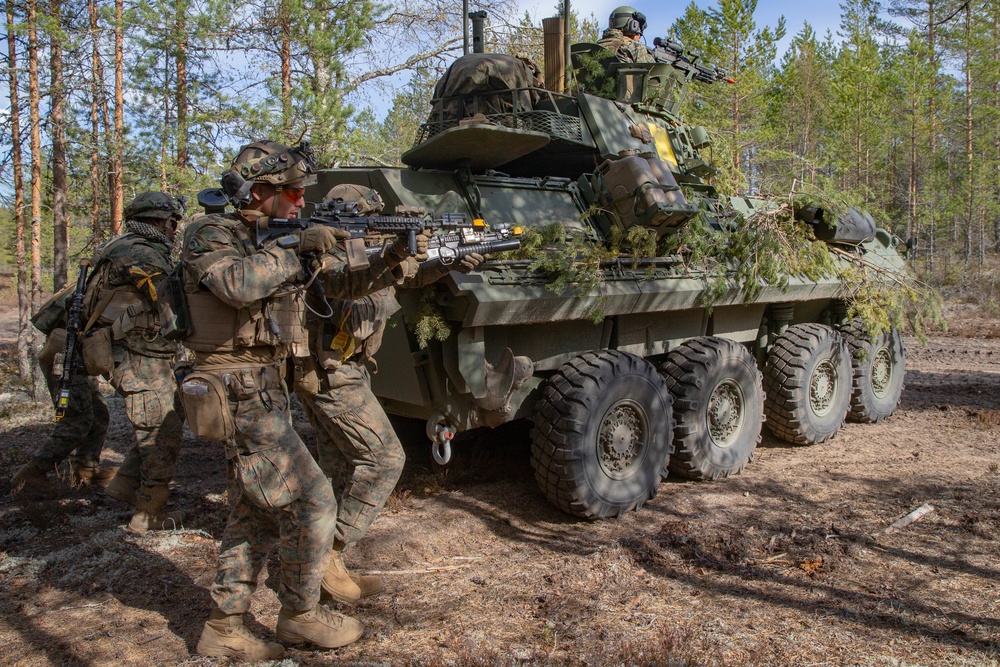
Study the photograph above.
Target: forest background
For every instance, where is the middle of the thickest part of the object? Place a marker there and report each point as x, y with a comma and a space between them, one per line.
898, 110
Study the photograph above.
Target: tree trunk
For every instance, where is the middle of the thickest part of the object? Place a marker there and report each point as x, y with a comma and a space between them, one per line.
182, 104
24, 329
969, 146
60, 168
97, 74
932, 180
118, 140
286, 73
34, 100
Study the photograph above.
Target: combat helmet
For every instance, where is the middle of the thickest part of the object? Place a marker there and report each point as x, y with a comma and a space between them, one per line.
155, 205
628, 20
368, 201
266, 162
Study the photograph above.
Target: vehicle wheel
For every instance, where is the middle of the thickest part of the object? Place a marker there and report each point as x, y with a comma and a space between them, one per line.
601, 436
718, 405
807, 384
879, 365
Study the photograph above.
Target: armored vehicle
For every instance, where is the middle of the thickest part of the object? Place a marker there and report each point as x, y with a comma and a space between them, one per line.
638, 372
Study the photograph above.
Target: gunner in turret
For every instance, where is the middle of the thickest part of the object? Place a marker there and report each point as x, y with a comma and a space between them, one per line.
625, 28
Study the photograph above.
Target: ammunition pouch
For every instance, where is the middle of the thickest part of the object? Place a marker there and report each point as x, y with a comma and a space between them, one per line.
206, 406
288, 313
305, 379
98, 358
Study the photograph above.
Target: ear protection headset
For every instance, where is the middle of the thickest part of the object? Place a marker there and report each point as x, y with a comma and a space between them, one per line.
635, 23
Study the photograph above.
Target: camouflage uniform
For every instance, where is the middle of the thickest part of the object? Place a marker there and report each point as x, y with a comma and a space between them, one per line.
356, 445
627, 49
120, 296
278, 492
134, 265
82, 429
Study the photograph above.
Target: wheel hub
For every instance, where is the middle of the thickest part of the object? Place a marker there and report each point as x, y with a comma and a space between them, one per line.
822, 387
622, 438
725, 413
881, 372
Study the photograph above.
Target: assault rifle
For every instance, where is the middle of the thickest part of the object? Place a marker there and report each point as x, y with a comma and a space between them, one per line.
459, 237
672, 53
63, 368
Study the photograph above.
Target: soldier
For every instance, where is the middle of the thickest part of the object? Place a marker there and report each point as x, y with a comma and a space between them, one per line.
356, 445
247, 314
122, 342
128, 272
79, 433
625, 28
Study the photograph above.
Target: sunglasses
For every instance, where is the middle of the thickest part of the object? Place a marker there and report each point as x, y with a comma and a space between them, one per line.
293, 195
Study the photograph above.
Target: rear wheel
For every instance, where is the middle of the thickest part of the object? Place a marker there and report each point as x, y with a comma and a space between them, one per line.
602, 434
879, 365
807, 383
718, 405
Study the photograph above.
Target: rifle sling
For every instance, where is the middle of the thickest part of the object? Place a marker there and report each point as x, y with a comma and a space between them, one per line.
101, 305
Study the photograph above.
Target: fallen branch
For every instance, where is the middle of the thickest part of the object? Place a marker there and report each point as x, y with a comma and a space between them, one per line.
82, 606
426, 570
915, 515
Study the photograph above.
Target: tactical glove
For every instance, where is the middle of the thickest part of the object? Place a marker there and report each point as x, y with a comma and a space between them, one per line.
319, 239
400, 249
470, 262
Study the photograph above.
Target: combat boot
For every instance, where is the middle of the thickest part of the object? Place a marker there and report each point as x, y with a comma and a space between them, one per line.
123, 488
368, 584
149, 510
32, 481
83, 476
318, 626
337, 582
225, 635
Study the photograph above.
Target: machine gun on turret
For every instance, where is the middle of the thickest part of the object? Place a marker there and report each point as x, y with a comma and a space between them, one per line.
672, 53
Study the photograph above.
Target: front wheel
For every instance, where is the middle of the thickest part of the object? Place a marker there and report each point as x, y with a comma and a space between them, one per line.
718, 405
807, 383
602, 434
879, 364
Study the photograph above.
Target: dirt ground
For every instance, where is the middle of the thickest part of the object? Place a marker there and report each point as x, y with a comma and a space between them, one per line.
786, 564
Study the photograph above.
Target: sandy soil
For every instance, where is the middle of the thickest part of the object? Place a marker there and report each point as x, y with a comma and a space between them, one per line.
787, 564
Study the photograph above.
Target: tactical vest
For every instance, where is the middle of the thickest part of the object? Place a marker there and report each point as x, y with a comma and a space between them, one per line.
278, 321
123, 308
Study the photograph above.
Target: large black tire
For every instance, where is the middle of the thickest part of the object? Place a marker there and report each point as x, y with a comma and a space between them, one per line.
718, 405
807, 384
601, 436
879, 365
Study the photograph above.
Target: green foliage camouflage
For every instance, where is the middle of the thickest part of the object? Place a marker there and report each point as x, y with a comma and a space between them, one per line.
725, 250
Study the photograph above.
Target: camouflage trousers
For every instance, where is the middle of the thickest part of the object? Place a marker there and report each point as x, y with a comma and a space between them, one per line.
357, 448
151, 403
82, 429
278, 495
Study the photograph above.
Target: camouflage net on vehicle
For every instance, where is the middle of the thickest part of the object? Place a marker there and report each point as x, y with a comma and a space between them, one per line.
765, 249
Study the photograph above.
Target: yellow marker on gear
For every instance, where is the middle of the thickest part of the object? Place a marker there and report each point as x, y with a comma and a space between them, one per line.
147, 281
479, 222
662, 143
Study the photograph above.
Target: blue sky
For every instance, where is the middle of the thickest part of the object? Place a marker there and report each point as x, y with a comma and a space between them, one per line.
821, 14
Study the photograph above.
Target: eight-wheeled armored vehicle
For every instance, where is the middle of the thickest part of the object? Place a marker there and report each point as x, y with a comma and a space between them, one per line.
638, 373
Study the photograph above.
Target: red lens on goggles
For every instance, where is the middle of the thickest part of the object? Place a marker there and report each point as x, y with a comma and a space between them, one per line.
293, 195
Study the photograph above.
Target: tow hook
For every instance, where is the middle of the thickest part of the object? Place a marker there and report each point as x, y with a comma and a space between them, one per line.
441, 447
